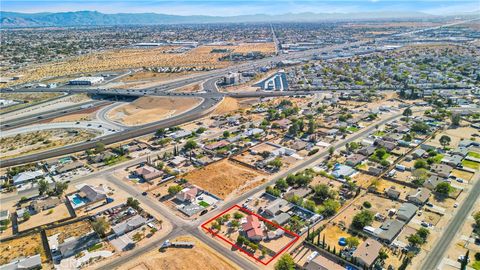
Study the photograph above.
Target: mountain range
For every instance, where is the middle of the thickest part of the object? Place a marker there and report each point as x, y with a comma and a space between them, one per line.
94, 18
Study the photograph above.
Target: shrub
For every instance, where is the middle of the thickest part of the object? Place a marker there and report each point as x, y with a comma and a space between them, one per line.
367, 204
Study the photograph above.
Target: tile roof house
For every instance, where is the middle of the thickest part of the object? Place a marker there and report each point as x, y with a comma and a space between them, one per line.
216, 145
92, 193
253, 228
148, 172
322, 263
129, 225
367, 252
187, 194
419, 196
406, 211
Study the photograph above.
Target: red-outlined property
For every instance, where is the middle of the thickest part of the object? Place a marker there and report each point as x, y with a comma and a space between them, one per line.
241, 209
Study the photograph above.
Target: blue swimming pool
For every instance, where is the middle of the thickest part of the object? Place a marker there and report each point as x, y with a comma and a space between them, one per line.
77, 200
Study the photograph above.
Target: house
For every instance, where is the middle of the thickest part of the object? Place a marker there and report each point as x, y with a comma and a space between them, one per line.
355, 159
253, 228
178, 161
187, 194
419, 196
69, 167
367, 151
299, 145
282, 123
406, 211
103, 156
27, 176
92, 193
374, 171
30, 262
73, 245
41, 205
392, 193
300, 192
180, 134
277, 206
389, 146
322, 263
4, 215
217, 145
342, 171
389, 230
419, 153
432, 182
281, 218
367, 252
253, 132
148, 172
452, 160
129, 225
442, 170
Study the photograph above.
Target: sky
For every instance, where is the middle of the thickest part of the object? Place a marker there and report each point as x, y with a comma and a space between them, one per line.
242, 7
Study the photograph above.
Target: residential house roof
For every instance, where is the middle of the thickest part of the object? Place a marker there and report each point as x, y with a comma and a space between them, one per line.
441, 169
27, 176
433, 181
70, 166
322, 263
148, 172
187, 194
420, 195
252, 227
216, 145
30, 262
281, 218
368, 251
389, 229
406, 211
355, 159
279, 205
129, 225
93, 193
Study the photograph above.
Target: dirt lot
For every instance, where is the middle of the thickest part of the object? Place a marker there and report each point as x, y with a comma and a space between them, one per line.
122, 59
21, 247
232, 104
150, 109
332, 235
223, 178
71, 230
456, 136
59, 212
199, 257
27, 98
28, 143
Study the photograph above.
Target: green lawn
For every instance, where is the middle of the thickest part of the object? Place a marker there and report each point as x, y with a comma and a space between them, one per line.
476, 265
204, 204
474, 154
116, 160
379, 133
353, 129
471, 164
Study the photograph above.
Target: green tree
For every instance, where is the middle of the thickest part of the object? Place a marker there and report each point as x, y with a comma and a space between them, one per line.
352, 241
190, 145
26, 215
281, 184
455, 118
172, 190
420, 163
476, 217
331, 150
445, 140
276, 163
101, 226
237, 215
330, 207
285, 262
60, 188
134, 203
42, 186
321, 192
362, 219
99, 147
443, 188
226, 134
407, 112
414, 240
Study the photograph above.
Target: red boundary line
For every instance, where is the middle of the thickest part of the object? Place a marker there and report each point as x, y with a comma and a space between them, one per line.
243, 250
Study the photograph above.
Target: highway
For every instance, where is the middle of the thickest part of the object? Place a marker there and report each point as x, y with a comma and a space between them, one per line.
31, 119
435, 256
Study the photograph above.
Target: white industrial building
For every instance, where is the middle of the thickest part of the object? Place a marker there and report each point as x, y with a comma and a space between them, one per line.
86, 81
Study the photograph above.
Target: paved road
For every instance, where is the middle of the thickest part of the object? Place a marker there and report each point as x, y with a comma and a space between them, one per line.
435, 256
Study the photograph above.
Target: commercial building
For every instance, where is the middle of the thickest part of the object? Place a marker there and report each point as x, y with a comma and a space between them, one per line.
86, 81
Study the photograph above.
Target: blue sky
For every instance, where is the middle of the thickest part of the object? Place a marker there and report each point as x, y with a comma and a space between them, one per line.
242, 7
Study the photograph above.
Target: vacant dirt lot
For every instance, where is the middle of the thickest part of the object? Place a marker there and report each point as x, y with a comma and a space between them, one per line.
222, 178
122, 59
456, 135
32, 142
21, 247
199, 257
71, 230
57, 213
150, 109
232, 104
27, 99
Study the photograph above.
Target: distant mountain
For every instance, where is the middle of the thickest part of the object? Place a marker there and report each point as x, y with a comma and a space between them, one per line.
94, 18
